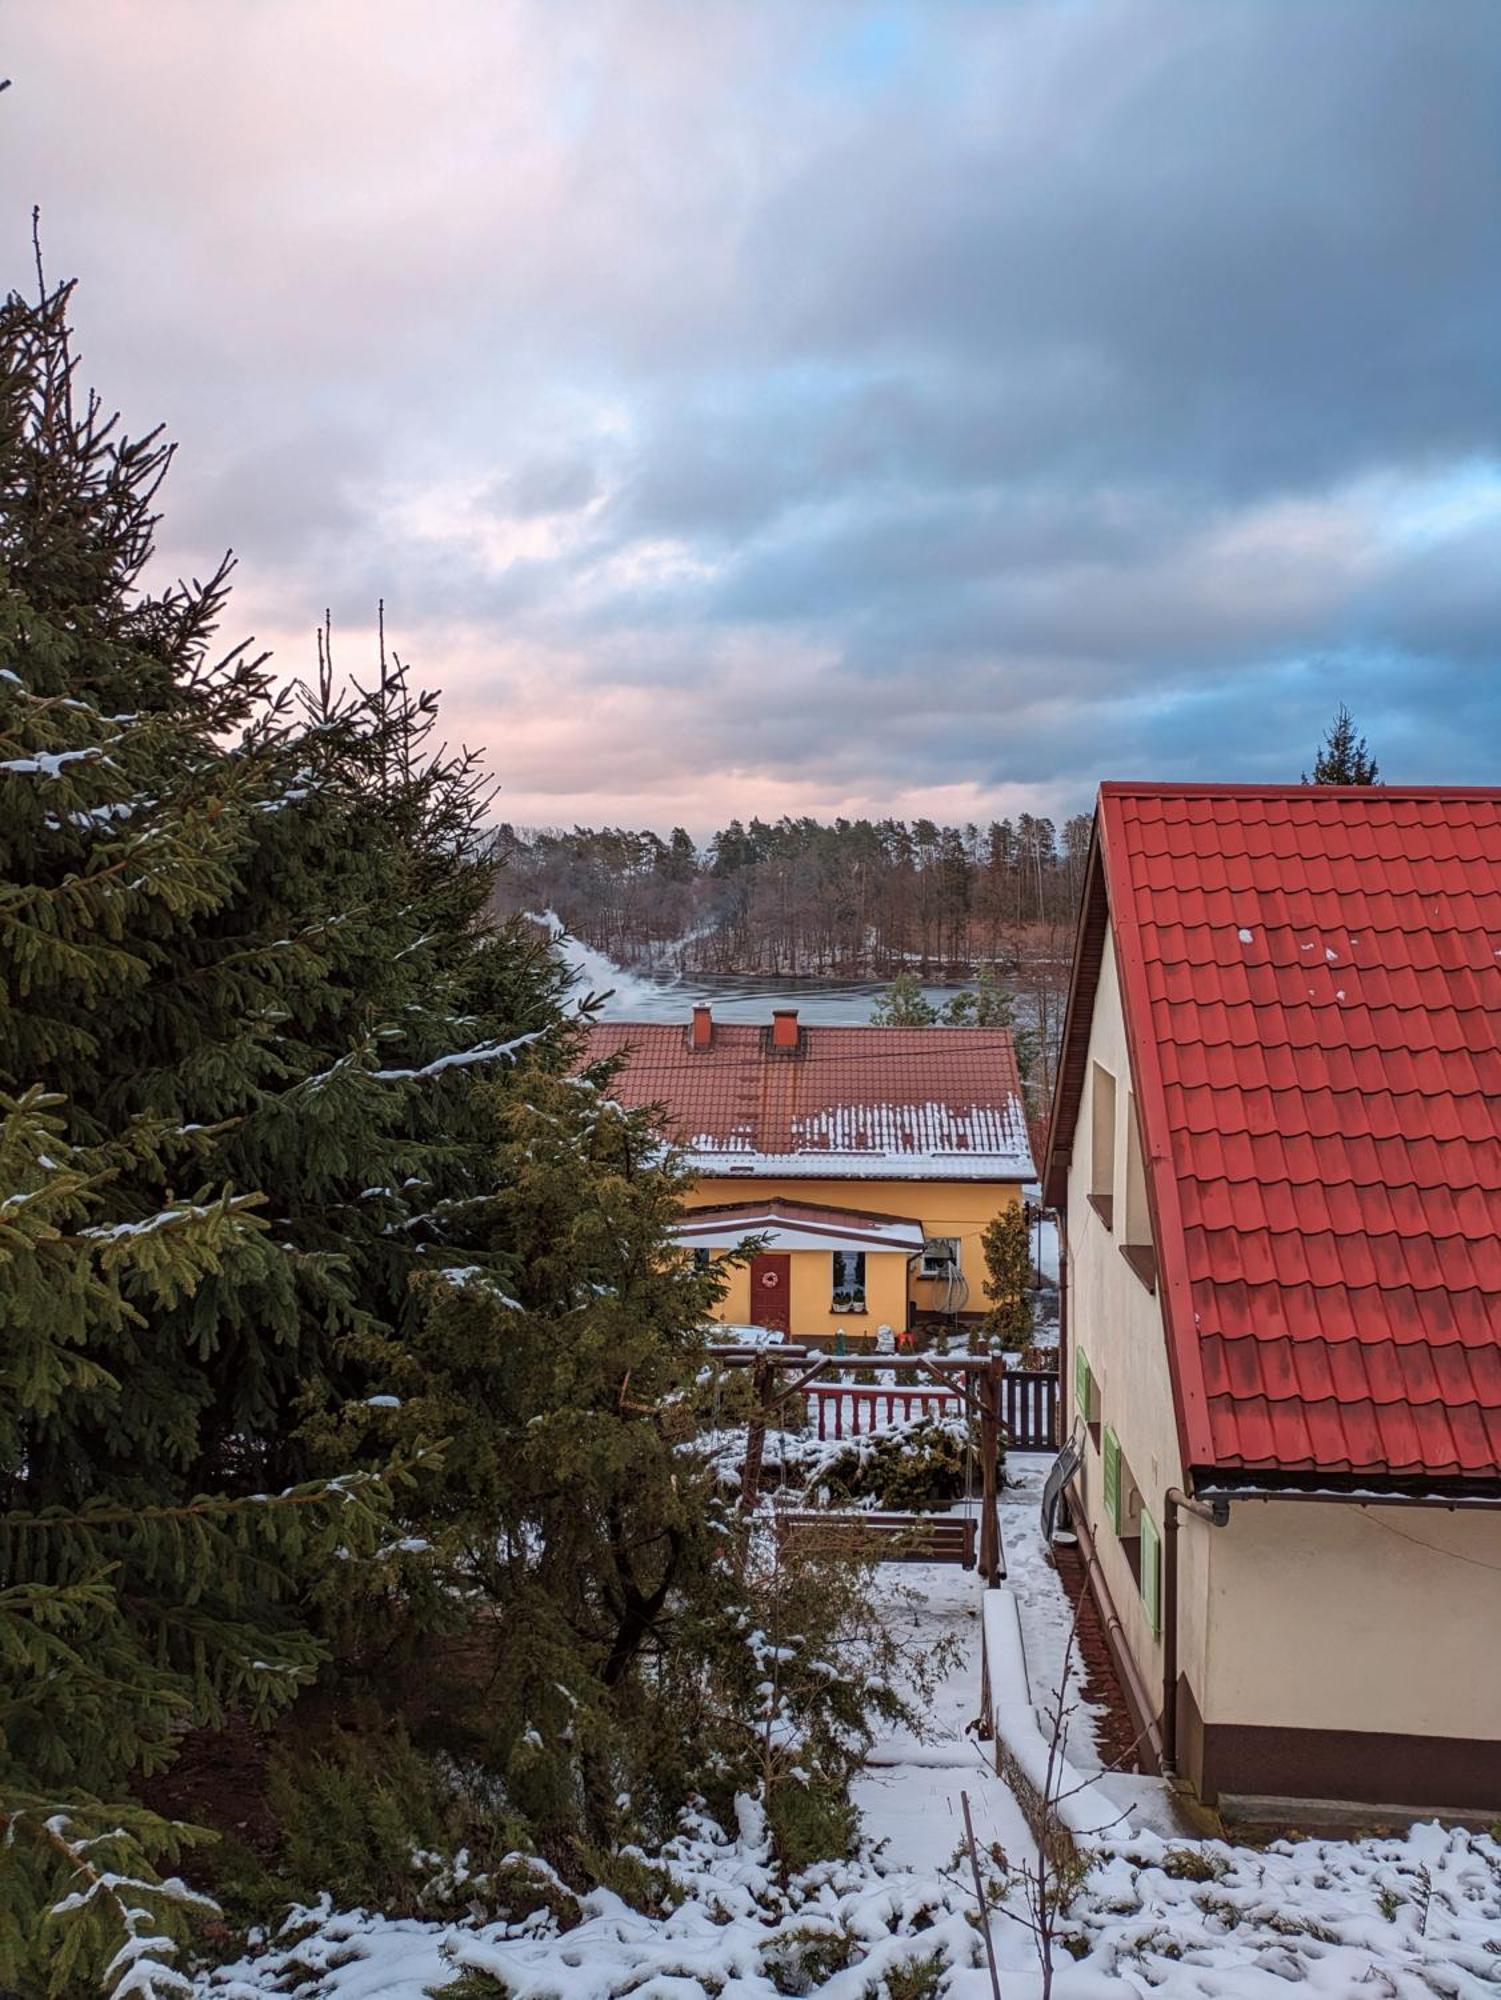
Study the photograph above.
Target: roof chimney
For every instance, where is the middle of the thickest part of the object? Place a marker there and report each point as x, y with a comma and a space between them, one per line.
784, 1029
701, 1034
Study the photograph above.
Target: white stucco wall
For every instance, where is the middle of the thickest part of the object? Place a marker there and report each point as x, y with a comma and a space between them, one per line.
1116, 1320
1296, 1615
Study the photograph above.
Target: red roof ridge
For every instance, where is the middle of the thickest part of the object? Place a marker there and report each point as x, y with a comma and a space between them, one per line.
1312, 1008
1227, 789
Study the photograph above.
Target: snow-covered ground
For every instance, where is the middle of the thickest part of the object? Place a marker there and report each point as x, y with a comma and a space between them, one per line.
1398, 1919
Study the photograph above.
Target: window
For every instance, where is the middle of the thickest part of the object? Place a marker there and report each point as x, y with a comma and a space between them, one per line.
849, 1281
702, 1259
1102, 1145
1126, 1514
1087, 1395
940, 1257
1150, 1578
1111, 1453
1137, 1246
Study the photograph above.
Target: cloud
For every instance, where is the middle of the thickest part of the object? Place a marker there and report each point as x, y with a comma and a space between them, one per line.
758, 407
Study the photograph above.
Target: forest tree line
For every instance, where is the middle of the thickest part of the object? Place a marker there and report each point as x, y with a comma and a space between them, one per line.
856, 898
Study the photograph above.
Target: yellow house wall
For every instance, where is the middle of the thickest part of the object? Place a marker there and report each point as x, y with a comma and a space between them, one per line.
885, 1292
945, 1208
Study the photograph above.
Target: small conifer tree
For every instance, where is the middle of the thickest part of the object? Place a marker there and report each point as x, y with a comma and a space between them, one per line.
566, 1536
904, 1005
1344, 758
1007, 1247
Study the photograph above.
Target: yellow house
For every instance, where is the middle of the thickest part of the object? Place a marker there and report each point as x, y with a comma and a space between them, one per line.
869, 1160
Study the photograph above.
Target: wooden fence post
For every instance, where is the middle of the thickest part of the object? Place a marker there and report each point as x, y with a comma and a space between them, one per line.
989, 1388
755, 1436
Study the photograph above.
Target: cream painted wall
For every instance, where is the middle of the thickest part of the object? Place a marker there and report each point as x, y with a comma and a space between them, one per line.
1116, 1321
1295, 1615
944, 1208
1344, 1617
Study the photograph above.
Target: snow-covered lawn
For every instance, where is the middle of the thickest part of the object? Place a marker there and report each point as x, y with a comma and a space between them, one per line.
1186, 1919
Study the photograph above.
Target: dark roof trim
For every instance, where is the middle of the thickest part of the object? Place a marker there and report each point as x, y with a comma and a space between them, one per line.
1185, 1365
1068, 1087
1347, 1489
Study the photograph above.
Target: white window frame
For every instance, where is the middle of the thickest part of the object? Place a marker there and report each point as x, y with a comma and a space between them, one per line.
941, 1267
855, 1294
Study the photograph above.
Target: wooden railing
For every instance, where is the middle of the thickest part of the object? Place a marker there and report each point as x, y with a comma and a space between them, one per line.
840, 1412
1029, 1409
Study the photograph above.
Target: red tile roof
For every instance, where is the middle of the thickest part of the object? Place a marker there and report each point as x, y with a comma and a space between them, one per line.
1311, 980
848, 1103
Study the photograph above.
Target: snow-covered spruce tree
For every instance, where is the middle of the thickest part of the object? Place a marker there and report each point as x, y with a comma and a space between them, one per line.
570, 1560
239, 1012
1006, 1243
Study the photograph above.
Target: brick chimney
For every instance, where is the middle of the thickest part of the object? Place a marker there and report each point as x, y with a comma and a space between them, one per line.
701, 1034
784, 1029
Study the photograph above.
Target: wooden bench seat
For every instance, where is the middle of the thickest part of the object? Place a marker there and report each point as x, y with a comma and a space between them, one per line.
944, 1538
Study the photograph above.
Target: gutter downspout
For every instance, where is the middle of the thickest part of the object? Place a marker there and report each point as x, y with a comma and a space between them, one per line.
1216, 1513
1065, 1372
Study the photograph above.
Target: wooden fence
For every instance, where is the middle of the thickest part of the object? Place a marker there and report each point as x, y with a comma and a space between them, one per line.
838, 1412
1029, 1409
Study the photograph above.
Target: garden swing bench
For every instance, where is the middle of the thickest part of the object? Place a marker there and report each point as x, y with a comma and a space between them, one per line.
975, 1380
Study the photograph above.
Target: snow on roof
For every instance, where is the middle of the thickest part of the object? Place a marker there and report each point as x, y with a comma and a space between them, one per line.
845, 1103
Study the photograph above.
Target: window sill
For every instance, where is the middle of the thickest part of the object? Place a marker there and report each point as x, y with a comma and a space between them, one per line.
1104, 1208
849, 1312
1142, 1259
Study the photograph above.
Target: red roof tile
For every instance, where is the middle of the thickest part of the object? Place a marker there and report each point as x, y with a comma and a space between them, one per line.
1312, 987
879, 1103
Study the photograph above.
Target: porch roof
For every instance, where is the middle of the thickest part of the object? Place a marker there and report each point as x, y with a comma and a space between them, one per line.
800, 1225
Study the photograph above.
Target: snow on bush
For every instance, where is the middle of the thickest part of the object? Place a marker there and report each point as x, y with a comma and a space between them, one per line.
1403, 1919
914, 1462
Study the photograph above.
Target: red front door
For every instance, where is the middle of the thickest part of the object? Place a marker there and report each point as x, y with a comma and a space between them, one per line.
771, 1291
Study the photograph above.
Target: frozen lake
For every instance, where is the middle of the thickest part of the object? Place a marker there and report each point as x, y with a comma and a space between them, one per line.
645, 996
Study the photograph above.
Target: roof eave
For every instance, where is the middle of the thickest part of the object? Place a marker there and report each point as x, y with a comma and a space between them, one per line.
1084, 976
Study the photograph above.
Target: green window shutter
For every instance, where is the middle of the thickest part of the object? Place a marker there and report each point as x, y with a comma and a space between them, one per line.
1112, 1457
1081, 1384
1151, 1572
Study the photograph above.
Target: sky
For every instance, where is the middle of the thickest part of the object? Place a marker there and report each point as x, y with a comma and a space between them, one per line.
814, 407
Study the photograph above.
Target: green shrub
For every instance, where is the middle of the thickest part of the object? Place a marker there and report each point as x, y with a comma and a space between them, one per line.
808, 1957
911, 1467
811, 1821
380, 1824
919, 1979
